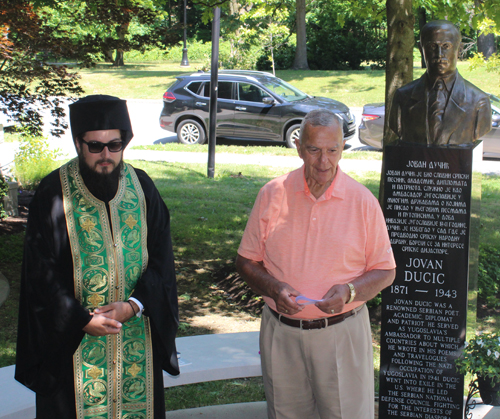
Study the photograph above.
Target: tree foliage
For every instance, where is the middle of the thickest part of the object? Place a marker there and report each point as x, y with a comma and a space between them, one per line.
121, 25
260, 29
35, 35
28, 82
465, 13
341, 39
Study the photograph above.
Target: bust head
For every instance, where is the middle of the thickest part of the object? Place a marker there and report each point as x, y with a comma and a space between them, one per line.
440, 43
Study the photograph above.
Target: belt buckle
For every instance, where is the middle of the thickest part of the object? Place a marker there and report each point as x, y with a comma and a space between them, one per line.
304, 322
312, 324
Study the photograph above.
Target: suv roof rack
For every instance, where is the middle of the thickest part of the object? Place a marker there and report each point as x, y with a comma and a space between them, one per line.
246, 72
249, 74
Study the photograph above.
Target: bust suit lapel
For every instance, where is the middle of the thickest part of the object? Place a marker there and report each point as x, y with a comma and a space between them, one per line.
417, 113
454, 112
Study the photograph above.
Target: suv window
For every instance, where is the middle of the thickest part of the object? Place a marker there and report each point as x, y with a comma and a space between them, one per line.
194, 87
250, 92
225, 90
285, 90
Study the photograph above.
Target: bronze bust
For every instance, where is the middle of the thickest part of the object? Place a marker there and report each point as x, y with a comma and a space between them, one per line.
440, 108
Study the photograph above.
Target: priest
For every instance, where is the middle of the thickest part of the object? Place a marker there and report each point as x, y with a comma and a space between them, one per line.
98, 309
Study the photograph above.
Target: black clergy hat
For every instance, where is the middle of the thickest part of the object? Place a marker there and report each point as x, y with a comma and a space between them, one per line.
100, 112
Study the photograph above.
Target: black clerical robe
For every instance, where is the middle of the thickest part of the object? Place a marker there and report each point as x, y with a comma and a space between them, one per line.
51, 319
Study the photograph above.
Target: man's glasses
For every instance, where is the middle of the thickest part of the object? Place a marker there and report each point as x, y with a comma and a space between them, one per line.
97, 147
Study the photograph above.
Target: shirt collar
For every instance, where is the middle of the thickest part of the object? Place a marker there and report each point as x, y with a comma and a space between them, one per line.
335, 190
448, 81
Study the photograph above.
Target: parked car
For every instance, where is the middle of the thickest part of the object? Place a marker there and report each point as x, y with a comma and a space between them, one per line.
371, 128
251, 105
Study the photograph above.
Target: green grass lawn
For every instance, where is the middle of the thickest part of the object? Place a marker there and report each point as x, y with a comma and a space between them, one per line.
354, 88
208, 219
268, 150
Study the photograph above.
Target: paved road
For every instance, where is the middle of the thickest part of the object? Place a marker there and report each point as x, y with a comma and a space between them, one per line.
145, 115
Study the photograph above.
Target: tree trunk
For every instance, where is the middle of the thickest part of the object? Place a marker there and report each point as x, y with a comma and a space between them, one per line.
272, 56
234, 10
119, 62
422, 20
486, 45
300, 62
121, 31
399, 62
108, 56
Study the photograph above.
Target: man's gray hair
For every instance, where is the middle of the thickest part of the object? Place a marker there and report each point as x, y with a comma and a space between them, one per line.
322, 118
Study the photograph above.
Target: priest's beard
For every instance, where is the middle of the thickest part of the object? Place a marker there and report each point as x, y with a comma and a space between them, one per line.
102, 185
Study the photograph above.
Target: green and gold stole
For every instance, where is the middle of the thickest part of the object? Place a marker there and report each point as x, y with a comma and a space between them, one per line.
113, 373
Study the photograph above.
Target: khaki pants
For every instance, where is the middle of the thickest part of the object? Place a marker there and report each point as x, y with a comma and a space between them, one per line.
322, 373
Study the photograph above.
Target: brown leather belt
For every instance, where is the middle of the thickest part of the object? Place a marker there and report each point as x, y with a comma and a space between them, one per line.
316, 323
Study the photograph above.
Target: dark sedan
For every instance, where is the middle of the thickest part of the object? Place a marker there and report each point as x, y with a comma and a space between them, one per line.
251, 105
371, 129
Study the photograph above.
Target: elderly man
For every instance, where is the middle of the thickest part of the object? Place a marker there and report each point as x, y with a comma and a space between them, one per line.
316, 247
440, 108
98, 308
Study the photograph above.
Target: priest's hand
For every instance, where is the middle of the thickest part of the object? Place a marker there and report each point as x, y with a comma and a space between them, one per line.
101, 325
120, 311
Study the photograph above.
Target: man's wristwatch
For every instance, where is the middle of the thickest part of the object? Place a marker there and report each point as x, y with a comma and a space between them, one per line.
352, 290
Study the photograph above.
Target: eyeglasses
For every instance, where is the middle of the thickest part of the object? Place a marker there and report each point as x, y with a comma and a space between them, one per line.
97, 147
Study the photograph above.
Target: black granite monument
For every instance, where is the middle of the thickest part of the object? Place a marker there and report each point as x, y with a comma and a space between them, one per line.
431, 196
431, 206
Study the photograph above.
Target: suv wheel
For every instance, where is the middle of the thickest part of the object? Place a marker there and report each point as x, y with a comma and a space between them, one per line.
190, 132
292, 134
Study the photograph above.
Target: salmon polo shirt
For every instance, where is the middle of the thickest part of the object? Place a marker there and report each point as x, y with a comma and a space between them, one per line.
312, 243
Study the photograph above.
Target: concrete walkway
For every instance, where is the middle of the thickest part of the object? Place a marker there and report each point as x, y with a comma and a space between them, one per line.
488, 167
257, 410
254, 410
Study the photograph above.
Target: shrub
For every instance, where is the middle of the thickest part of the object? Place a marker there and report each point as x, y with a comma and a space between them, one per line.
244, 57
154, 54
489, 274
345, 48
481, 356
338, 41
375, 301
34, 161
197, 51
4, 190
283, 58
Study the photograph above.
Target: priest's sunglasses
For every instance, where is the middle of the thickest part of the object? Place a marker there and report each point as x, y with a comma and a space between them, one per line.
97, 147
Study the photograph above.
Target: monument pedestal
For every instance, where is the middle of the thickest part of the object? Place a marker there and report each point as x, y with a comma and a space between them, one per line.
431, 205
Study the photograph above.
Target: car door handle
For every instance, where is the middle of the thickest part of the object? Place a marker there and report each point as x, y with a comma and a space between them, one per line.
241, 108
201, 104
